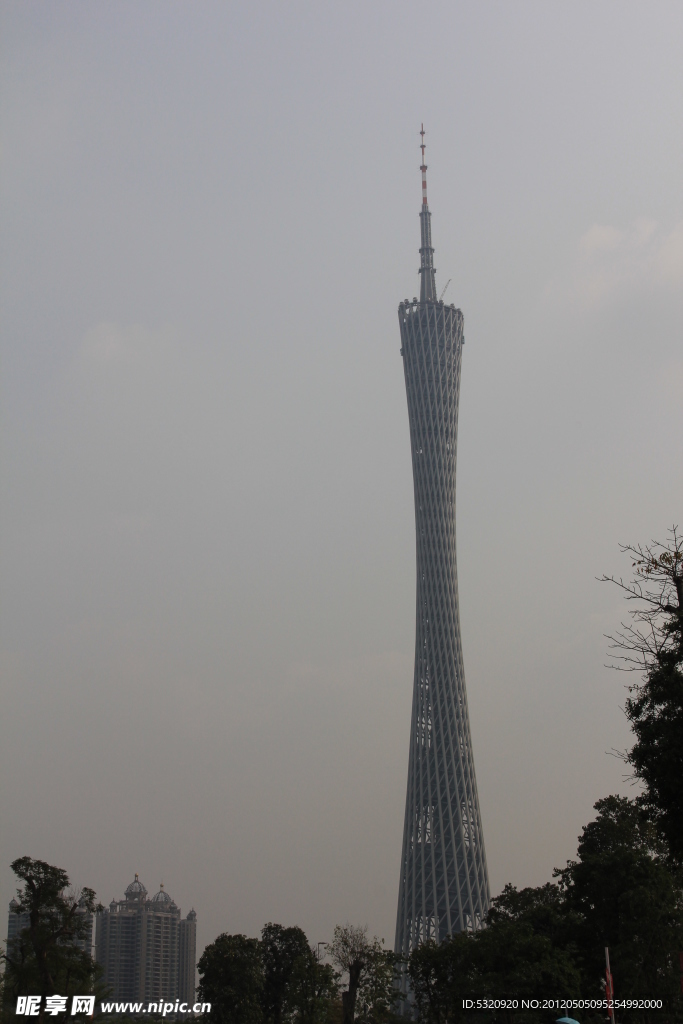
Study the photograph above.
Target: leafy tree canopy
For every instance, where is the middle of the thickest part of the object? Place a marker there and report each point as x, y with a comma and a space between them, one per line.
369, 970
550, 941
281, 948
45, 959
623, 895
652, 643
523, 951
231, 979
275, 980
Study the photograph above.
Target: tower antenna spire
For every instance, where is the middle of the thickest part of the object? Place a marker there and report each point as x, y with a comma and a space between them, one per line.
427, 279
423, 166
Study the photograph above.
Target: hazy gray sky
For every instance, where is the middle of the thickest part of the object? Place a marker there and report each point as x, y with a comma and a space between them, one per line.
210, 214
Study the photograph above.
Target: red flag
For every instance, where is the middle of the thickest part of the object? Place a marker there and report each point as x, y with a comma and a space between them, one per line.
609, 985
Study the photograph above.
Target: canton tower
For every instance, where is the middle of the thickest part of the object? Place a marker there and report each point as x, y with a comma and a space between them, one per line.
444, 885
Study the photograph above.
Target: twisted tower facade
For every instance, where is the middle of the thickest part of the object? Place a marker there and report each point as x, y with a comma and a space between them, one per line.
444, 882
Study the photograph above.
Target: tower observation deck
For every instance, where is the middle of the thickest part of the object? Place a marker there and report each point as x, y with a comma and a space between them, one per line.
444, 885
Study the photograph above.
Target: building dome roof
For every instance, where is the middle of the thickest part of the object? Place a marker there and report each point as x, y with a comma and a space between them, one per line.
161, 896
136, 886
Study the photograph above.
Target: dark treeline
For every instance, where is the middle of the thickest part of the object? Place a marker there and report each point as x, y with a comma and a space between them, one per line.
549, 942
280, 979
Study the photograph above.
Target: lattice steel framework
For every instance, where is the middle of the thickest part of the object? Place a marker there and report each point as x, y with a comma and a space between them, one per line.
444, 881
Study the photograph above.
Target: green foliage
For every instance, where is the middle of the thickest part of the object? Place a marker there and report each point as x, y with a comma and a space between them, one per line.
623, 895
275, 980
44, 958
298, 989
514, 961
376, 990
550, 941
281, 950
312, 992
543, 908
656, 714
231, 979
522, 952
434, 972
653, 644
369, 969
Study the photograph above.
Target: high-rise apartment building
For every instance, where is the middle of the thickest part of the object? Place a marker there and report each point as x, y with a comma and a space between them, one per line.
444, 882
146, 950
187, 958
16, 923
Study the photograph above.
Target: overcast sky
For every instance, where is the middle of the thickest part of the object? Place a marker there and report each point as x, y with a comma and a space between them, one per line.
209, 216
